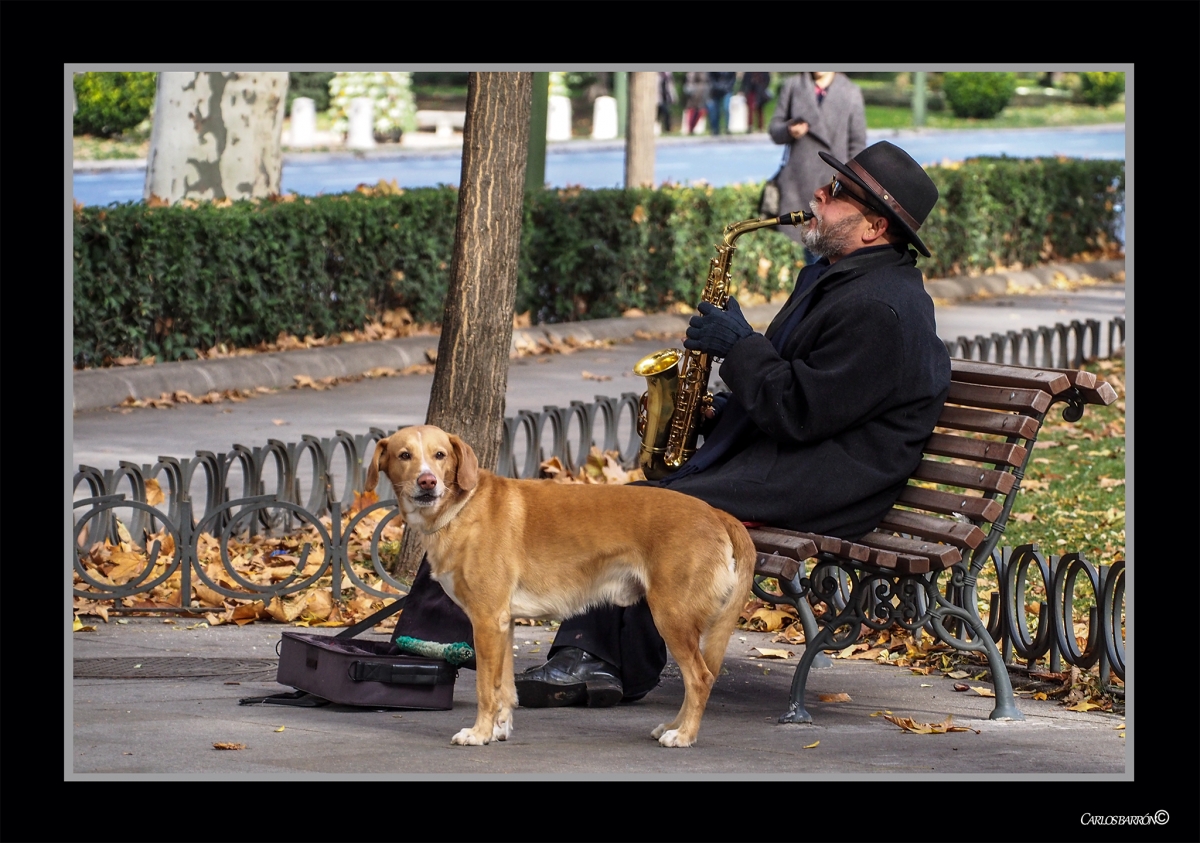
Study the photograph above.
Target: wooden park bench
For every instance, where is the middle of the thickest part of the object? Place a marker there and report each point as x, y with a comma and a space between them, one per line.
949, 518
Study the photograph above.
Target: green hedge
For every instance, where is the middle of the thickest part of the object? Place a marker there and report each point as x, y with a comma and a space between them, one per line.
166, 281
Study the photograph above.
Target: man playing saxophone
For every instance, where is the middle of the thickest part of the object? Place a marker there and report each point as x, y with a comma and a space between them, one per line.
825, 416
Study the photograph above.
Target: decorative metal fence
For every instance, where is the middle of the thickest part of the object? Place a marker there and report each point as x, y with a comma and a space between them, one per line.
217, 499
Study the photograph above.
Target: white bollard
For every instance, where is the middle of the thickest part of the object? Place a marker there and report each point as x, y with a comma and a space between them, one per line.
304, 122
361, 115
604, 118
558, 119
739, 115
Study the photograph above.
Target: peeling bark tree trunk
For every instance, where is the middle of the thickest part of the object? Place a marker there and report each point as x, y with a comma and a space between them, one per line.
639, 131
216, 136
467, 396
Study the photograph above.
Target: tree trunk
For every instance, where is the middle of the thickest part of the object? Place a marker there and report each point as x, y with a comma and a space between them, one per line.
467, 396
639, 135
216, 136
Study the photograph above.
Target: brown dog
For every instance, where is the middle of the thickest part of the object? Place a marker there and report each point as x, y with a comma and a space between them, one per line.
505, 549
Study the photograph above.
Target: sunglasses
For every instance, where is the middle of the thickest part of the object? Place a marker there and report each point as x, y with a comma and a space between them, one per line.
837, 188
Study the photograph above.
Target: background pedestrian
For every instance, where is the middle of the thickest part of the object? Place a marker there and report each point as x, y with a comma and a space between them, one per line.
756, 86
817, 112
720, 89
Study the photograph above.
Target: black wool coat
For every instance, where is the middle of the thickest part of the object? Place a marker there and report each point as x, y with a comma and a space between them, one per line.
841, 413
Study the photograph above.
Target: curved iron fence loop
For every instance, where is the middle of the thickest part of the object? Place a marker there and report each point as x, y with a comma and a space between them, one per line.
376, 539
1069, 567
140, 582
175, 491
349, 443
584, 417
1092, 329
1116, 326
222, 525
1000, 343
374, 435
532, 423
1112, 598
1013, 587
214, 494
345, 442
319, 495
556, 416
627, 402
1046, 335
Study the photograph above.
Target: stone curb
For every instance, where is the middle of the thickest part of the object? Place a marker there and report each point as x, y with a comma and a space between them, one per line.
96, 389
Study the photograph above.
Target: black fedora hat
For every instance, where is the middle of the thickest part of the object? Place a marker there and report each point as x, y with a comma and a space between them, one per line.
899, 185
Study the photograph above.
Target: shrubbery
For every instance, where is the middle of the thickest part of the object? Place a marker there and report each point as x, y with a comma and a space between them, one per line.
982, 95
108, 104
166, 281
1098, 88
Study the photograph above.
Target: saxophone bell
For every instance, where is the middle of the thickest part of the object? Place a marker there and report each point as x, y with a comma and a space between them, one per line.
657, 403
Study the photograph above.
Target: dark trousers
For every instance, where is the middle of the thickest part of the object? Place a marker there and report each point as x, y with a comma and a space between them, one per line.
623, 637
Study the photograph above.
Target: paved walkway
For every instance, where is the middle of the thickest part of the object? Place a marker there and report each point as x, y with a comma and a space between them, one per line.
167, 726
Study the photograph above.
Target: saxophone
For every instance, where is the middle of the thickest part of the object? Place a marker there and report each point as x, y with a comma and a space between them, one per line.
677, 381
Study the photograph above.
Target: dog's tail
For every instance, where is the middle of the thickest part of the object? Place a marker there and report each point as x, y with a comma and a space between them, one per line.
745, 556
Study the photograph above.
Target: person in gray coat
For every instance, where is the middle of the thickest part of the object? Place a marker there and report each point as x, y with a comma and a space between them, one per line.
816, 112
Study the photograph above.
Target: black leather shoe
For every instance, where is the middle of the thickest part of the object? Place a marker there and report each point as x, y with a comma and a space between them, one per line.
571, 677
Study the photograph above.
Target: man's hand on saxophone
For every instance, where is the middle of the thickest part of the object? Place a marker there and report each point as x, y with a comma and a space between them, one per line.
714, 331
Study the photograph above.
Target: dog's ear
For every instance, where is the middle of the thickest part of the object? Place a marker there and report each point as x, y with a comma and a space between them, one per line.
379, 461
467, 469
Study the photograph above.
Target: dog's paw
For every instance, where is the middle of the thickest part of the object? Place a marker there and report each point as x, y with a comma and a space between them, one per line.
502, 729
658, 731
672, 737
467, 737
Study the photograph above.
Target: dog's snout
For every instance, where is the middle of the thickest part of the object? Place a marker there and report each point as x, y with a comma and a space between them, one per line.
427, 481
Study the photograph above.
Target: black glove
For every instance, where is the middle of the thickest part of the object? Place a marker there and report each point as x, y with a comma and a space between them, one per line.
715, 331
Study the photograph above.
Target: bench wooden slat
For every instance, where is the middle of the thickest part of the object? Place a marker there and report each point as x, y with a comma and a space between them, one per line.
988, 421
779, 567
914, 556
935, 500
981, 450
783, 543
1078, 377
1020, 377
999, 398
933, 527
966, 476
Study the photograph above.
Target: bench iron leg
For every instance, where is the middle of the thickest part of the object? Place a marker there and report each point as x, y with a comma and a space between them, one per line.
1006, 705
808, 621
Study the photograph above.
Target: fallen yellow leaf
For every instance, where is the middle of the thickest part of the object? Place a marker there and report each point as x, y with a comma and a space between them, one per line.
280, 729
910, 725
833, 697
983, 692
1082, 705
771, 653
769, 620
228, 745
813, 744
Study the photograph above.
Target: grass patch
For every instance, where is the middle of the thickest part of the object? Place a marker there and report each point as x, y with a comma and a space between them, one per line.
1013, 117
1073, 495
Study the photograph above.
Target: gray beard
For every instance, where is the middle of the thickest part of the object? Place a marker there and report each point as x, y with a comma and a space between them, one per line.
833, 241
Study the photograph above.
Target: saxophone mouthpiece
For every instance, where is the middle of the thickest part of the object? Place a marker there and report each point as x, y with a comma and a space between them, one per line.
796, 218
